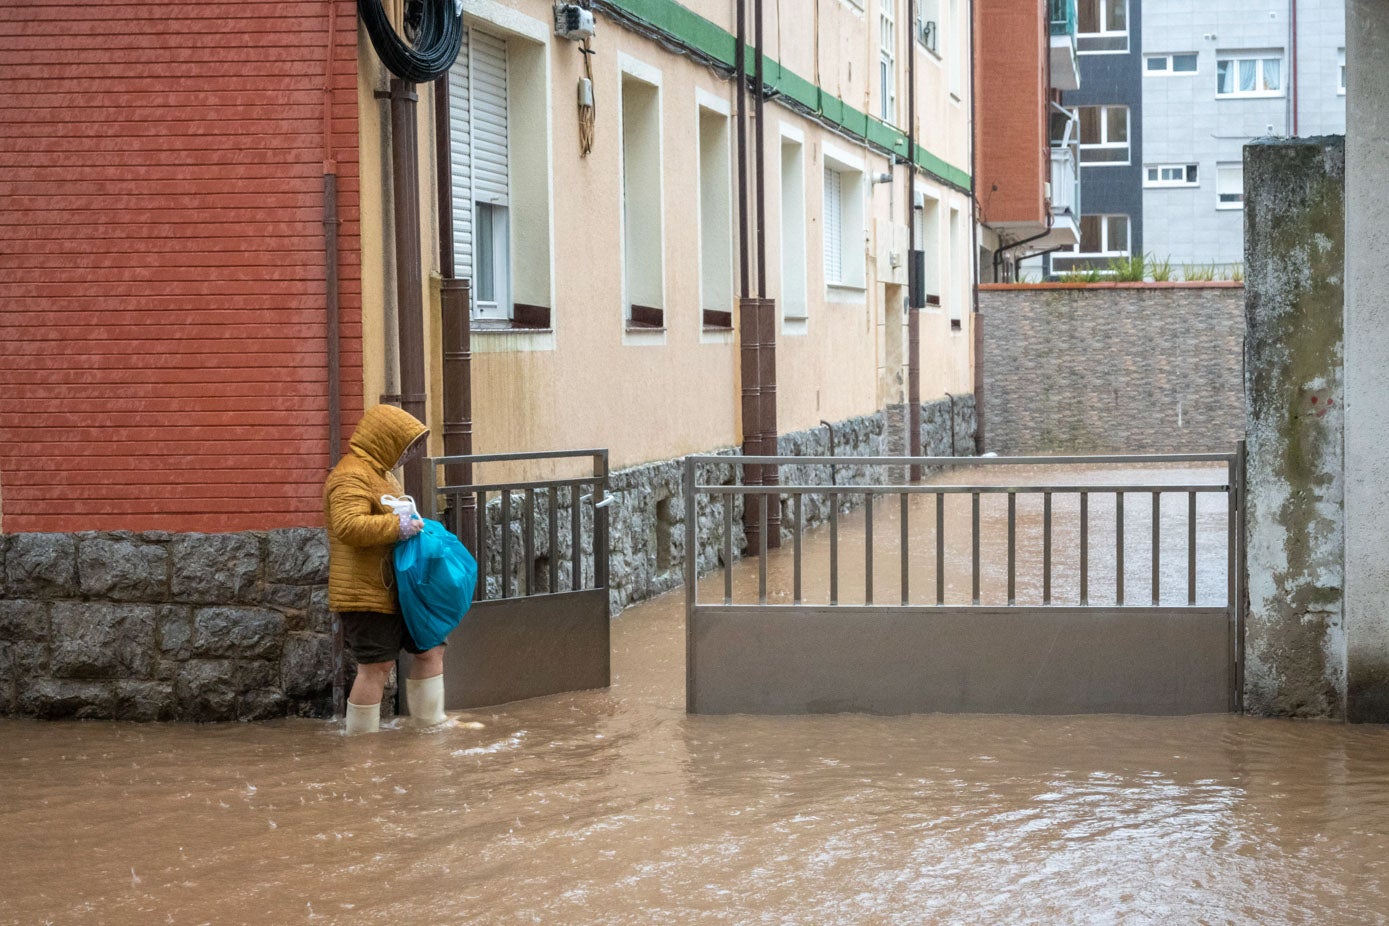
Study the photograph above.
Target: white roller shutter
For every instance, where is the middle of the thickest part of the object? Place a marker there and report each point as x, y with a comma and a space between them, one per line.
834, 228
460, 137
491, 182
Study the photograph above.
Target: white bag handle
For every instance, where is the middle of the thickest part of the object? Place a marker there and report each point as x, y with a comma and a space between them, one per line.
403, 504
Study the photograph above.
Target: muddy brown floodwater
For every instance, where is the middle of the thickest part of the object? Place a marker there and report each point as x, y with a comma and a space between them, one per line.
615, 807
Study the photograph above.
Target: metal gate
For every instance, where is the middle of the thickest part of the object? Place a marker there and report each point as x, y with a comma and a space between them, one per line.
782, 653
539, 621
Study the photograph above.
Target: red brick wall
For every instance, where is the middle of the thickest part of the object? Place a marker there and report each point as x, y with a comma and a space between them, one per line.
163, 359
1011, 87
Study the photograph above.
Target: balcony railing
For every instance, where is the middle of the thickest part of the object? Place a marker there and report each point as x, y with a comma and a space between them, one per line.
1063, 17
1065, 182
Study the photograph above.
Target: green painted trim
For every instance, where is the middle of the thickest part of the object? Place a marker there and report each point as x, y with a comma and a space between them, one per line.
711, 39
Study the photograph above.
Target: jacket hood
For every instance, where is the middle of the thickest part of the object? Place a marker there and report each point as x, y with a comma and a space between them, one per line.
383, 435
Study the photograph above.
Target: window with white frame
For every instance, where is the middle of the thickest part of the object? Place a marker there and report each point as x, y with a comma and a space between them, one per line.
1229, 186
958, 271
1102, 26
1104, 134
480, 140
793, 289
1341, 71
1157, 175
927, 27
1102, 236
1161, 65
1247, 74
887, 62
500, 178
843, 225
715, 218
642, 232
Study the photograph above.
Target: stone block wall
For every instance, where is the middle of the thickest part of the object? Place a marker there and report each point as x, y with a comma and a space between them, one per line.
168, 626
165, 626
1113, 368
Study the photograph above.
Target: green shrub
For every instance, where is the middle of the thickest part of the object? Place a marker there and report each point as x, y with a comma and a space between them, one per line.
1127, 269
1198, 273
1160, 271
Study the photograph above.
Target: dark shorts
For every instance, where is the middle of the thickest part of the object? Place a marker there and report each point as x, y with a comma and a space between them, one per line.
376, 637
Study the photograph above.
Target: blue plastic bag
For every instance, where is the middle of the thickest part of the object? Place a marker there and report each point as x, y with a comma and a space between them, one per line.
435, 579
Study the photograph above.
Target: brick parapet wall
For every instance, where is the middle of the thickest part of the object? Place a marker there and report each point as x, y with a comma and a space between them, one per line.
1113, 367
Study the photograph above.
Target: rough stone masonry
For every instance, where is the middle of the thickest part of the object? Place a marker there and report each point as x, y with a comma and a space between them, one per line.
167, 626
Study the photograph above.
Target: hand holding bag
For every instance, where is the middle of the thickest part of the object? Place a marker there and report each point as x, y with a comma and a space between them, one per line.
436, 577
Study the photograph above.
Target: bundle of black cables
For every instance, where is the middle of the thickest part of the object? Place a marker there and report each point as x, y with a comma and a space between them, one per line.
434, 33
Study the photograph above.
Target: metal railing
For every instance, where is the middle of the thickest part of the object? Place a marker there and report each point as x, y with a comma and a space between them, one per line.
548, 495
760, 496
1065, 182
1063, 17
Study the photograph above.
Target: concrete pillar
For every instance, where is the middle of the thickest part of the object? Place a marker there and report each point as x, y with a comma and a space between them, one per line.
1294, 227
1367, 361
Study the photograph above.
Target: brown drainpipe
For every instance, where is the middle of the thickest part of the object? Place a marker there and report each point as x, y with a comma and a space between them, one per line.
913, 311
409, 302
332, 303
766, 307
749, 330
456, 327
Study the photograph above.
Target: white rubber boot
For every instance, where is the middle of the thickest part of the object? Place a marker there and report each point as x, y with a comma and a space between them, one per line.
425, 696
363, 718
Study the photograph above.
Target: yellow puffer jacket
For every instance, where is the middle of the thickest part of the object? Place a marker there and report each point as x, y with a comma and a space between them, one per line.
362, 531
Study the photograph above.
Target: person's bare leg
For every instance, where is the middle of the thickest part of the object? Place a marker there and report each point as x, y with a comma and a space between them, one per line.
364, 701
428, 664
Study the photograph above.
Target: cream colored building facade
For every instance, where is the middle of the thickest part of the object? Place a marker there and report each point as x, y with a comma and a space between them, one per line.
649, 217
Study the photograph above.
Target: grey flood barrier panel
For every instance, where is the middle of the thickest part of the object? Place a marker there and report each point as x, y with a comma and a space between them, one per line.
539, 624
907, 649
968, 660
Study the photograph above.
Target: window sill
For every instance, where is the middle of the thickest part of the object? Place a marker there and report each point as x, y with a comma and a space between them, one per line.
846, 287
1229, 207
1251, 96
498, 326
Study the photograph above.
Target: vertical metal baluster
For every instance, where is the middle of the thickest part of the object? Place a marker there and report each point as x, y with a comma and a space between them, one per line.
1012, 548
528, 525
481, 547
1046, 548
1084, 547
762, 548
1157, 545
796, 550
506, 543
940, 548
728, 547
905, 545
974, 556
1118, 547
868, 550
554, 539
576, 537
834, 548
1191, 548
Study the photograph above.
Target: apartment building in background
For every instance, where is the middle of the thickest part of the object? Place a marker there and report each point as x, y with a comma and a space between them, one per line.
1216, 76
1171, 92
1107, 110
1028, 185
